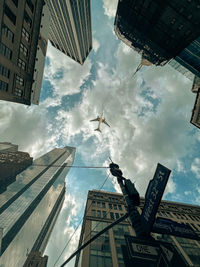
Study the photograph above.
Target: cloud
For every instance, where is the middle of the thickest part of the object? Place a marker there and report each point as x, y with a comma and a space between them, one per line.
195, 167
26, 127
65, 75
110, 7
149, 117
96, 45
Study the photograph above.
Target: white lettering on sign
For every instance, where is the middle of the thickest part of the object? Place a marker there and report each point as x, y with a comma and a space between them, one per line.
144, 249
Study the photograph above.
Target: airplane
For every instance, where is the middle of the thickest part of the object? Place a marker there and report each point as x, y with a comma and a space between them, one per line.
100, 120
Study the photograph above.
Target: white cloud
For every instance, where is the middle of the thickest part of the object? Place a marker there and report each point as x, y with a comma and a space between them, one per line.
110, 7
135, 142
95, 44
65, 75
195, 167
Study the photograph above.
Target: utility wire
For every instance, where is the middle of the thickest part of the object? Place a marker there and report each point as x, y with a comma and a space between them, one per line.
71, 166
80, 222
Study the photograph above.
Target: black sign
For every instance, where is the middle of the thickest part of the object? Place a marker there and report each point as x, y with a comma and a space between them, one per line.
154, 195
167, 226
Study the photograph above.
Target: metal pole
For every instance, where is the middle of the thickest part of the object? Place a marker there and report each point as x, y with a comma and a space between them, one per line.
134, 215
94, 237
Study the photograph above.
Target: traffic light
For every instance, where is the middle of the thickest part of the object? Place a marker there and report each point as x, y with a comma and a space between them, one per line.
132, 192
114, 169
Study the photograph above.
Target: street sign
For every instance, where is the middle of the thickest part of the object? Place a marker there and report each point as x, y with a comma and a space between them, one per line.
170, 227
155, 253
154, 195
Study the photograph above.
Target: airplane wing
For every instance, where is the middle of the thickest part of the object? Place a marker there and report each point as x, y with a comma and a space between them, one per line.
104, 121
97, 119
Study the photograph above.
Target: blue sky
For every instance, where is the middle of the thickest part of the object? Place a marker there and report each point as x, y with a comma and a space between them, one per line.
149, 116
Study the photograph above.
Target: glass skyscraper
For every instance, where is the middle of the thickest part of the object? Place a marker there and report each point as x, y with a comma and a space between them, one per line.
30, 206
70, 28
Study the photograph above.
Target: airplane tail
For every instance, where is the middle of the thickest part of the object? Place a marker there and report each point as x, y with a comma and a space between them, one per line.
98, 130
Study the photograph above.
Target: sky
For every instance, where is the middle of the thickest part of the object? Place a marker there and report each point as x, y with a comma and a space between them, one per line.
149, 115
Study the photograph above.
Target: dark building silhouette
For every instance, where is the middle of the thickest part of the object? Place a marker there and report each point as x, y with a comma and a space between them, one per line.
158, 30
30, 206
103, 208
70, 28
195, 119
22, 25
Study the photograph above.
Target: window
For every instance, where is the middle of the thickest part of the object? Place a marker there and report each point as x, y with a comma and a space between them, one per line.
94, 213
110, 206
19, 80
117, 215
4, 71
104, 214
21, 64
120, 207
23, 50
93, 203
112, 215
115, 207
4, 50
8, 33
103, 205
3, 86
10, 14
25, 35
27, 19
30, 5
98, 213
18, 92
98, 204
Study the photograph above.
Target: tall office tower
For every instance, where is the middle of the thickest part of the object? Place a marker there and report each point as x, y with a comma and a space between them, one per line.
21, 43
195, 118
36, 260
30, 206
11, 164
188, 61
159, 30
102, 208
70, 29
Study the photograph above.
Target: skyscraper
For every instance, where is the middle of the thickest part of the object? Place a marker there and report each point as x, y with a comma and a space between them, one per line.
70, 28
23, 42
30, 206
195, 118
159, 30
102, 208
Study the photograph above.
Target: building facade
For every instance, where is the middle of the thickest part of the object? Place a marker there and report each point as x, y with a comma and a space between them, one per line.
70, 28
35, 259
8, 147
20, 26
158, 30
195, 118
102, 208
11, 164
30, 206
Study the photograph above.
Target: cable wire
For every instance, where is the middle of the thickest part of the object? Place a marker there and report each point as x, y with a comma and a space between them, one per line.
80, 222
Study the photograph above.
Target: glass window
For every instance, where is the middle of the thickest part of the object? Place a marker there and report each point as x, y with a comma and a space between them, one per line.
103, 205
4, 71
112, 215
21, 64
23, 50
117, 215
115, 206
9, 14
93, 203
110, 206
98, 204
3, 86
98, 213
8, 33
104, 214
19, 80
27, 19
18, 92
4, 50
94, 213
120, 207
25, 35
30, 5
